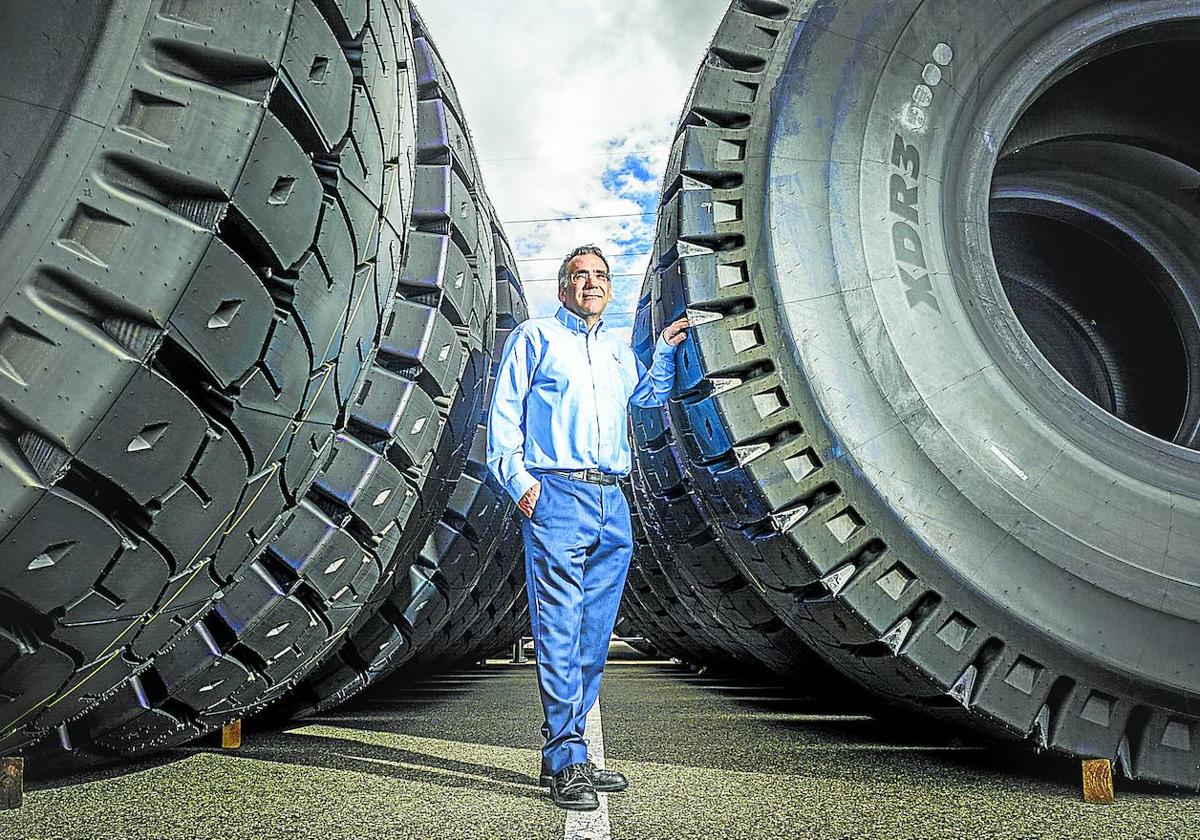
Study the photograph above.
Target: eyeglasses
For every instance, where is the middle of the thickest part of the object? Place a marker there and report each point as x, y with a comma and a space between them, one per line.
584, 276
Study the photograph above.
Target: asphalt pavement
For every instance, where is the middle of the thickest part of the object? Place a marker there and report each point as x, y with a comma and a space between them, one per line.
708, 756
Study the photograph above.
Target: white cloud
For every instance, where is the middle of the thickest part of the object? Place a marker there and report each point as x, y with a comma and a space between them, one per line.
572, 105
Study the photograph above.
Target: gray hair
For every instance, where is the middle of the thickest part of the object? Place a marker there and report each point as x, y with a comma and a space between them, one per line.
563, 275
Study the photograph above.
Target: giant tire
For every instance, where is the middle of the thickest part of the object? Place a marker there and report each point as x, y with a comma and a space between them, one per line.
193, 236
874, 422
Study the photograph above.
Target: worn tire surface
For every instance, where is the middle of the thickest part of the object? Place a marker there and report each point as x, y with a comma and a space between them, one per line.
852, 425
192, 321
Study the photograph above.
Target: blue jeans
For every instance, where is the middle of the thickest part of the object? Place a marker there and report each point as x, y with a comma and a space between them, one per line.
577, 550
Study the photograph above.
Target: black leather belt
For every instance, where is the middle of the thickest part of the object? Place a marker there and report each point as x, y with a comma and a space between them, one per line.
590, 476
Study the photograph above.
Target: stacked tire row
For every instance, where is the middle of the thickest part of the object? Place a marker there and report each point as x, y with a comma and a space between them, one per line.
468, 561
458, 246
700, 578
488, 609
906, 435
280, 255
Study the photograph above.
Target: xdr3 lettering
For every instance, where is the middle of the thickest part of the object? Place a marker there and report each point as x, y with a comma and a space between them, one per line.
906, 241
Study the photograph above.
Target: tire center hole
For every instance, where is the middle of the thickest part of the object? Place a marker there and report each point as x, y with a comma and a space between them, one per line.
1095, 228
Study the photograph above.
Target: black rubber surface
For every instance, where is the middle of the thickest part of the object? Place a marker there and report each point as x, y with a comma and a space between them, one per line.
988, 547
489, 621
181, 355
498, 640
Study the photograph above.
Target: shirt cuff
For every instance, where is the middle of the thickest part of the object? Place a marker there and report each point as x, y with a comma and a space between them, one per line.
519, 485
664, 357
661, 348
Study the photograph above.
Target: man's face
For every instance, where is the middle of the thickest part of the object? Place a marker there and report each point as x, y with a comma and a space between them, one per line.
589, 287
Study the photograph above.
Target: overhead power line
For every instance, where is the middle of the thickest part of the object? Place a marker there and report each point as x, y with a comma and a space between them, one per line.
577, 218
625, 153
555, 279
614, 256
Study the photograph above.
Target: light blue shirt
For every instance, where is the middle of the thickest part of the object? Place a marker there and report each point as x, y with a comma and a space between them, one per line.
562, 398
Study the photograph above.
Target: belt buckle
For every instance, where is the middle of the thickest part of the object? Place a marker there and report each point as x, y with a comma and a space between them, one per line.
590, 476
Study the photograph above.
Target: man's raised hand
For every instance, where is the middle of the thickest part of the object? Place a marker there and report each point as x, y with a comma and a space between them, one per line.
529, 500
676, 332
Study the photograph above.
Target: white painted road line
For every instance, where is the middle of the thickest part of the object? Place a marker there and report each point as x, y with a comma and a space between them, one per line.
591, 825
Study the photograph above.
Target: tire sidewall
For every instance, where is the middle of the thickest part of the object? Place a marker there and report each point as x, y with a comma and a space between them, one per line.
1068, 522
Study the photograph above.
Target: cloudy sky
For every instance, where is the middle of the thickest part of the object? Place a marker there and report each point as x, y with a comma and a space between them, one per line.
572, 105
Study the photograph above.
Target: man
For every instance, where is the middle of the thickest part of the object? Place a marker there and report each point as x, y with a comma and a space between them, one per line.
558, 442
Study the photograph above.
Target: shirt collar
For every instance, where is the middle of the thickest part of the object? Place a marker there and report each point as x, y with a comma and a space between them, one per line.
573, 322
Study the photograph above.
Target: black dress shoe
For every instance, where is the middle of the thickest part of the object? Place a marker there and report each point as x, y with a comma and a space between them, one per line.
571, 788
604, 781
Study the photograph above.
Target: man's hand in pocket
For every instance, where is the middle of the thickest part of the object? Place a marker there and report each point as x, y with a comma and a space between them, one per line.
529, 500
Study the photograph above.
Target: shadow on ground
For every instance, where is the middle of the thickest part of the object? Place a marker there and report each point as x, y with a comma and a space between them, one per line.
497, 705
